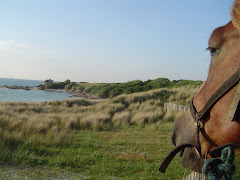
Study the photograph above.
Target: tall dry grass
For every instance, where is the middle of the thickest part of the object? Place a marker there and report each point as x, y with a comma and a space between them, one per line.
53, 122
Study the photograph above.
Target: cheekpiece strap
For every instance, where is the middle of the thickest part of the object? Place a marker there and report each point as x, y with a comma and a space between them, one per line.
227, 86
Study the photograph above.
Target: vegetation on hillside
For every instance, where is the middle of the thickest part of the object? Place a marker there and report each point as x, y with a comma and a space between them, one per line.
109, 90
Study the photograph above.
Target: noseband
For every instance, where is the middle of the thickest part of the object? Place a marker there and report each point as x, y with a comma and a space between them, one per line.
203, 113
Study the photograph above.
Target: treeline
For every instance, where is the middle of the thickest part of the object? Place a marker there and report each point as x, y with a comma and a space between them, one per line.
109, 90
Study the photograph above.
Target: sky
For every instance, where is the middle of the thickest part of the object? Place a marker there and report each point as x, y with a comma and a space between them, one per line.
108, 40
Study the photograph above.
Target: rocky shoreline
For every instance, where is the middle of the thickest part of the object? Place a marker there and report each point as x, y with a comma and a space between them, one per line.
27, 88
77, 92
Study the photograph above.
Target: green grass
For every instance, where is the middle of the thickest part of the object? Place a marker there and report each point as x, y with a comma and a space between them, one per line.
131, 153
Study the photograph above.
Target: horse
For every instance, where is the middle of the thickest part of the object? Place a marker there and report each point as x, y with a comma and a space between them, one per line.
195, 137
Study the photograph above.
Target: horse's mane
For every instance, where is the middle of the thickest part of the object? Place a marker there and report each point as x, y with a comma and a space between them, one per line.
236, 14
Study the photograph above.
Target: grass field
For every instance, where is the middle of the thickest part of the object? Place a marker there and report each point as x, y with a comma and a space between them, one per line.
124, 137
131, 153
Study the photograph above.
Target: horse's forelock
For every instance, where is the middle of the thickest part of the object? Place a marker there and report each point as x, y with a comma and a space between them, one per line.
236, 14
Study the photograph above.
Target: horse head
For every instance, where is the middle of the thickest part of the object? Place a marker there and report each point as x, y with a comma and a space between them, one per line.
224, 47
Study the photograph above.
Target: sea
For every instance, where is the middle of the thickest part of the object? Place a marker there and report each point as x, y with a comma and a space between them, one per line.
20, 95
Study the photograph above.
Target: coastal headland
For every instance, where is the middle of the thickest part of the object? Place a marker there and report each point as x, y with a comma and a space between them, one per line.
110, 90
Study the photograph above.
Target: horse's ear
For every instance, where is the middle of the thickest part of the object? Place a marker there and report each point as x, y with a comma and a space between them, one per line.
236, 14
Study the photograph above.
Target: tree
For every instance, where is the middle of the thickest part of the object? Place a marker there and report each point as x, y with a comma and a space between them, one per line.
67, 81
48, 81
160, 83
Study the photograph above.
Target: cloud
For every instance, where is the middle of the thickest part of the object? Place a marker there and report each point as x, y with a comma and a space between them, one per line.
11, 44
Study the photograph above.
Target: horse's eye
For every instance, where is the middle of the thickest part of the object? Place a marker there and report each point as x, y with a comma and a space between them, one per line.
213, 51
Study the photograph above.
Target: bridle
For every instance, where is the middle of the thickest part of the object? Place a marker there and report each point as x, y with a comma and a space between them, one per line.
203, 113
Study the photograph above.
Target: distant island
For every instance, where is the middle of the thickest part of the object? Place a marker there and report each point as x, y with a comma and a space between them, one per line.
109, 90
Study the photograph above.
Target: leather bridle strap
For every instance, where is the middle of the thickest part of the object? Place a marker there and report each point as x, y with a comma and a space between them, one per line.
171, 155
227, 86
214, 153
217, 151
199, 116
204, 112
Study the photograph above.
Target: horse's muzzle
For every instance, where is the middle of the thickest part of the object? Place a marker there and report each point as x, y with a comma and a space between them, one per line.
185, 132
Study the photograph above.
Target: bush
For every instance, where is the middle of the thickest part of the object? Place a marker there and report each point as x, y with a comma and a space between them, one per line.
160, 83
